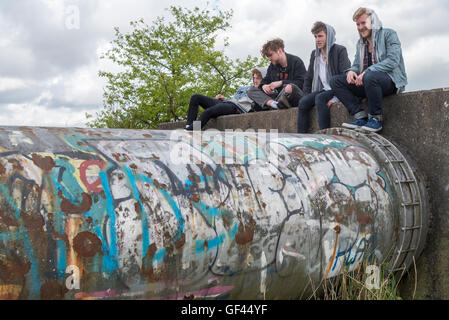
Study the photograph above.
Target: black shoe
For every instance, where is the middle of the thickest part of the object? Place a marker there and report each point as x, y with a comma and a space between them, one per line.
188, 127
283, 102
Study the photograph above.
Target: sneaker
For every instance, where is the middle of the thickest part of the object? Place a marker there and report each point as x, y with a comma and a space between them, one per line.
373, 125
357, 123
283, 102
188, 127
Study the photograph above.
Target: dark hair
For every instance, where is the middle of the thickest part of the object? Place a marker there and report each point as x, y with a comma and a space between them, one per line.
256, 72
272, 45
318, 27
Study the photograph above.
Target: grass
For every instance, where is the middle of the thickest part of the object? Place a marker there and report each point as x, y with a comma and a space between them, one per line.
352, 285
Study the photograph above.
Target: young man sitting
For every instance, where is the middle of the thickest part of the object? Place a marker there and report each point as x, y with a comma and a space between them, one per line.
327, 60
280, 88
220, 106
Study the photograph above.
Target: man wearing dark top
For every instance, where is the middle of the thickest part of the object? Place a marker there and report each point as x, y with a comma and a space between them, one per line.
328, 59
280, 88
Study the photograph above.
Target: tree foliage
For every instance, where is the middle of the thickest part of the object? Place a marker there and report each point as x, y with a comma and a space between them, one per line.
164, 64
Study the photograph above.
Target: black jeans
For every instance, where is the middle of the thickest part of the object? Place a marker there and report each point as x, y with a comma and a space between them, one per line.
318, 99
376, 85
212, 108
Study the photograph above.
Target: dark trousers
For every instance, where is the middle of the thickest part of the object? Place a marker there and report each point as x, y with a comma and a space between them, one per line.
320, 100
261, 98
376, 85
212, 108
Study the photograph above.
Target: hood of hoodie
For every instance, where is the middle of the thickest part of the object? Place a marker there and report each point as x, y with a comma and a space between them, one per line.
330, 41
263, 71
375, 25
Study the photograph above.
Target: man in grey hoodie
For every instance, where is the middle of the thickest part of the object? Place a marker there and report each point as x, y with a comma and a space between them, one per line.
328, 59
213, 108
378, 70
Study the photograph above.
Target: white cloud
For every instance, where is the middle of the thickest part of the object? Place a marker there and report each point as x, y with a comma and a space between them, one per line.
50, 73
12, 84
35, 115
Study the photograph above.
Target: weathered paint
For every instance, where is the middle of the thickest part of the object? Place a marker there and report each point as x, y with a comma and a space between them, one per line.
115, 214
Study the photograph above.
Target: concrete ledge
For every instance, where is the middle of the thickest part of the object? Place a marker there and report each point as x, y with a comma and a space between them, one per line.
418, 123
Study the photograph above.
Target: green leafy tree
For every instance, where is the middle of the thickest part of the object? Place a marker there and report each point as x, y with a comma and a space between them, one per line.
164, 64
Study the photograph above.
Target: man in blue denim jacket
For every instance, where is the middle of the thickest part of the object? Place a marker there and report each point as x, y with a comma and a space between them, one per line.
377, 71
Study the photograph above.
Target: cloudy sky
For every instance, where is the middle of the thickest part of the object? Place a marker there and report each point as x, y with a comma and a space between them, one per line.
50, 49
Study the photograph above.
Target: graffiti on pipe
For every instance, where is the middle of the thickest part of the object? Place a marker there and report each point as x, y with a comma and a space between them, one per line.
113, 211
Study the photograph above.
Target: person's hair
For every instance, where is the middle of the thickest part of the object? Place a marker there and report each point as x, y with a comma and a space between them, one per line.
318, 27
272, 45
359, 12
256, 72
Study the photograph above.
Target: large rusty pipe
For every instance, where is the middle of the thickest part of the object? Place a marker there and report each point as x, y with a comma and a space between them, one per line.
130, 214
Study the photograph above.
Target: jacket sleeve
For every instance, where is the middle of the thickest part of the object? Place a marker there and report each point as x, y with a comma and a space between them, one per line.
267, 79
356, 63
393, 54
343, 61
299, 73
307, 88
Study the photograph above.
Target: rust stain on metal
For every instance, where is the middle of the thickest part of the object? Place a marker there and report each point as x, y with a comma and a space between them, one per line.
195, 197
226, 222
16, 164
2, 169
33, 220
364, 218
181, 241
245, 234
68, 207
194, 178
62, 237
334, 253
337, 229
208, 171
157, 184
13, 269
120, 157
147, 135
339, 217
149, 174
137, 207
7, 219
86, 244
147, 266
53, 290
152, 249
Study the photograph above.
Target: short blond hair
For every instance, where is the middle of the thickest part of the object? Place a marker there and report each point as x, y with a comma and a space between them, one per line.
359, 12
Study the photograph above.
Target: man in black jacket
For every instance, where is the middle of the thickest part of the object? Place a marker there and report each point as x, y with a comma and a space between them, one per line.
280, 88
327, 60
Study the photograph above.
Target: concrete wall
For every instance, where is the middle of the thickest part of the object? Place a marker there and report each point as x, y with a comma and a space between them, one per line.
417, 122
